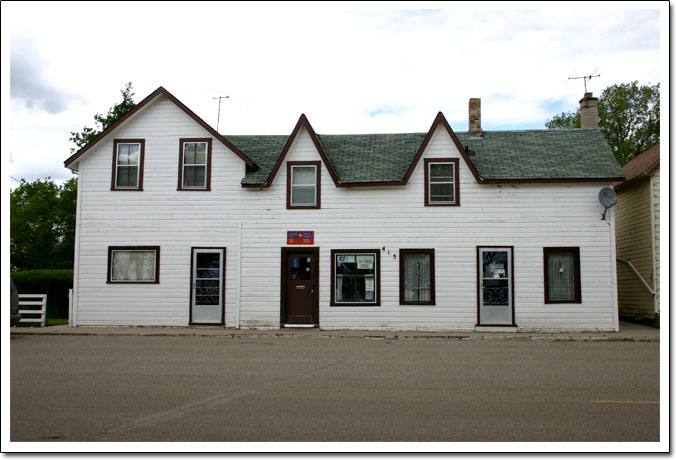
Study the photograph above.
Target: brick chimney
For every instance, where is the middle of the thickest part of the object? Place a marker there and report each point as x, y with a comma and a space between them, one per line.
589, 111
475, 117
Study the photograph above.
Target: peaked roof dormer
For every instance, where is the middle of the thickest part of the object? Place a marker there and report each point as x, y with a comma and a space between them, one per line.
265, 151
72, 161
353, 160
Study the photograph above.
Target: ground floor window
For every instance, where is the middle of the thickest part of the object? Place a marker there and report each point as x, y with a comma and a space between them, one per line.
562, 275
133, 264
416, 276
355, 277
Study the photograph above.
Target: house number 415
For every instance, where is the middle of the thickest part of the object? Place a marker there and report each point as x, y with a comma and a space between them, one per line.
394, 256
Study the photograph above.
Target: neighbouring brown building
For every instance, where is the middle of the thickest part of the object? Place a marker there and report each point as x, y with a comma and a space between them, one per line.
637, 228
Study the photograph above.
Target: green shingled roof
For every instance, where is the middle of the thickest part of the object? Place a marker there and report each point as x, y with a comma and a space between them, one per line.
371, 157
263, 150
542, 154
499, 155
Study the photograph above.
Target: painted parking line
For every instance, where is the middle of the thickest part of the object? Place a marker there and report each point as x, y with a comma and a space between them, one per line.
623, 402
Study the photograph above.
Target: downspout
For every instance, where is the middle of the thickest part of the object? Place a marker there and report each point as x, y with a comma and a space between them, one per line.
613, 265
76, 255
645, 283
653, 248
239, 273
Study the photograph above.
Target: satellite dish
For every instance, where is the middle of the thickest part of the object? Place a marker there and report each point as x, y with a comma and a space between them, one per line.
608, 197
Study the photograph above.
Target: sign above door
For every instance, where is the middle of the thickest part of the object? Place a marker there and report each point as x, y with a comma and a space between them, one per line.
300, 237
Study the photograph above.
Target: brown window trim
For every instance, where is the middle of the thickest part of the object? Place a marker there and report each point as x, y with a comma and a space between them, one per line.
139, 187
456, 180
134, 248
402, 296
207, 186
576, 260
318, 167
333, 277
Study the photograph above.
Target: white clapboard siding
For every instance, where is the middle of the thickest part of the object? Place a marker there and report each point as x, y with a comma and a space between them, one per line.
158, 216
526, 217
635, 241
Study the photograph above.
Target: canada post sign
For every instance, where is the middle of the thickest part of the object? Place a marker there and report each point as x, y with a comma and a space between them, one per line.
300, 237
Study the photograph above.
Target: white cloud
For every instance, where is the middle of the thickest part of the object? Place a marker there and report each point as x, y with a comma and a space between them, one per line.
334, 62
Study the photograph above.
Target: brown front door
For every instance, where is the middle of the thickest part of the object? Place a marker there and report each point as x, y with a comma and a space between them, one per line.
300, 287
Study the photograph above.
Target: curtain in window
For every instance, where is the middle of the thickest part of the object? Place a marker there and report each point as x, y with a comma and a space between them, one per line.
417, 277
133, 266
561, 270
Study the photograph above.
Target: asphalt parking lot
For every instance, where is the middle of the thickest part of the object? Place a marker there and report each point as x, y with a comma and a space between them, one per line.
111, 388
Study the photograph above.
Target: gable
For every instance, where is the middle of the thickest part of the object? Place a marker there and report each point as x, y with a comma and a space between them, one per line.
72, 161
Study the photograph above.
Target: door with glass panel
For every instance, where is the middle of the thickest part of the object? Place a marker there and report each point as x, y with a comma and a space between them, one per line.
300, 287
496, 285
207, 286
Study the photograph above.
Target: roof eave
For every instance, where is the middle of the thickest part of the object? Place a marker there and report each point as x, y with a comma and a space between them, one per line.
552, 180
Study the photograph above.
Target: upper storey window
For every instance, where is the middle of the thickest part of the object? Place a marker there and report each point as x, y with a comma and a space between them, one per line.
128, 164
303, 185
441, 182
195, 164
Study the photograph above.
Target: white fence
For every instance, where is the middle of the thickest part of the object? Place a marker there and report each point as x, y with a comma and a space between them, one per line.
33, 315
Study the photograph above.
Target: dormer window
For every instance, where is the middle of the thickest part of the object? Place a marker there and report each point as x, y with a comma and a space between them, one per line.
195, 164
442, 186
303, 190
128, 164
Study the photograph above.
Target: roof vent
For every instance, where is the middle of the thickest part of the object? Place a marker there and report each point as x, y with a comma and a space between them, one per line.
470, 153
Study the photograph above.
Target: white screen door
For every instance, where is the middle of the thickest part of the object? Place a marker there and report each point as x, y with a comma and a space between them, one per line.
207, 286
495, 286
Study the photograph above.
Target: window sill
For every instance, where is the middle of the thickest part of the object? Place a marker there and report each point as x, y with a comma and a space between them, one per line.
355, 305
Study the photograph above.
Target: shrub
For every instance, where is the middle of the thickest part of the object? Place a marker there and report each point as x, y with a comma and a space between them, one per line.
54, 283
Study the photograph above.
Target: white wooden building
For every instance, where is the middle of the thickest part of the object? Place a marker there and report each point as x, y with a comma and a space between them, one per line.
178, 225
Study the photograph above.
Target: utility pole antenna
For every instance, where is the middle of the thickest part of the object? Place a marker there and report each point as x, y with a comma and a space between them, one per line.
218, 120
585, 78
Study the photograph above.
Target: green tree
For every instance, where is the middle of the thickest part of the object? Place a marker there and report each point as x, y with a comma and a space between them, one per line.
104, 121
565, 120
42, 224
629, 118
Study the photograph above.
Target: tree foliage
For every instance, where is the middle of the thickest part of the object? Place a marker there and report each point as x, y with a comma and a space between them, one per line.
104, 121
42, 213
565, 120
42, 224
629, 118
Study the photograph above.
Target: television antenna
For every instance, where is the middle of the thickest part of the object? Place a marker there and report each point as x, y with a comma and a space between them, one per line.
585, 78
218, 120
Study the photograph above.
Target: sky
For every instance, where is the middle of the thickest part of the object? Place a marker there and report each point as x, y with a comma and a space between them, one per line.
349, 67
